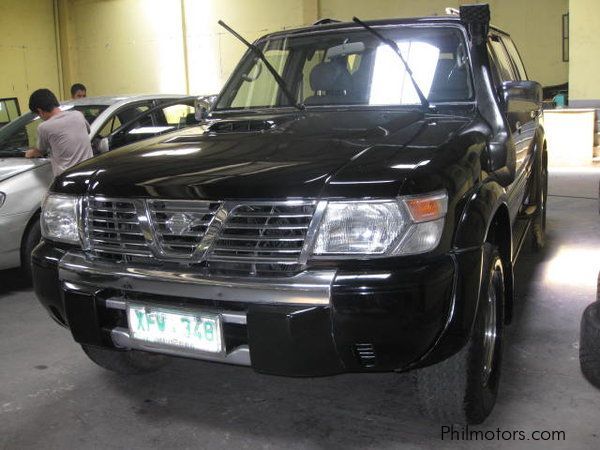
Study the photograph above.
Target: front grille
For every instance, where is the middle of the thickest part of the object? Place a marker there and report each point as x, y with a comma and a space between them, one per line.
262, 238
113, 228
257, 238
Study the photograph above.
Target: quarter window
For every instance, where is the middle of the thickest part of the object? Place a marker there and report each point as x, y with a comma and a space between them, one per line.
514, 55
502, 60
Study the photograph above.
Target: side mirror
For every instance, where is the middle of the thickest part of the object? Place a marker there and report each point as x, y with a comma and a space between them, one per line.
203, 106
521, 96
104, 145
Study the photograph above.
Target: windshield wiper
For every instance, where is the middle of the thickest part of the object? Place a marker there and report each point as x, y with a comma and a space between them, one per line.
392, 44
267, 64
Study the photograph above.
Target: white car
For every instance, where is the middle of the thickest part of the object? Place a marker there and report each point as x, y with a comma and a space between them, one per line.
114, 122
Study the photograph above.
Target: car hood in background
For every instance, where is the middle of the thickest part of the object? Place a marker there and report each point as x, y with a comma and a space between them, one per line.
9, 167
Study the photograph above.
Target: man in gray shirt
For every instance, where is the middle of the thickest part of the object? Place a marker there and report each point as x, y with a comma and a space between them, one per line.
64, 135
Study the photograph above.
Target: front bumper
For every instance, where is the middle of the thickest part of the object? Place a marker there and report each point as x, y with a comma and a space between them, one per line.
319, 322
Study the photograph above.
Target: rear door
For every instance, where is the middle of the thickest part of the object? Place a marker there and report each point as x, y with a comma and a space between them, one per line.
522, 122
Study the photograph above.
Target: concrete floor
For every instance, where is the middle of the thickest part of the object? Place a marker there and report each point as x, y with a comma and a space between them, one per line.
51, 396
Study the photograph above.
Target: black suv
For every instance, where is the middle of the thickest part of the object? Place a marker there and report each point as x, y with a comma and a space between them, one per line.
355, 203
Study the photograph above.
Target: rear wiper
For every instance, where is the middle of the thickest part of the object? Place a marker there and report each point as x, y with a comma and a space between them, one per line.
267, 64
392, 44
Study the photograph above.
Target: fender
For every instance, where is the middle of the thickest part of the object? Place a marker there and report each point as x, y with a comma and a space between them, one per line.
481, 206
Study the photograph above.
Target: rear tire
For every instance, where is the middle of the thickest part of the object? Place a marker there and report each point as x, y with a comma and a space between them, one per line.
538, 227
32, 237
463, 388
130, 362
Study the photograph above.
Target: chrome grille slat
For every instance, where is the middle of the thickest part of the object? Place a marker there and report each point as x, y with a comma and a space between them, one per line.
255, 259
256, 226
250, 249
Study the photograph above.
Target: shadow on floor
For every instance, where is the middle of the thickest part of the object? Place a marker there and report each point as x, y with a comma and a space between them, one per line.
12, 280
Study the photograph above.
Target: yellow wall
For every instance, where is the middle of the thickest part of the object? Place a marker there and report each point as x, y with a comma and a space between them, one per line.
535, 25
123, 46
584, 63
28, 58
135, 46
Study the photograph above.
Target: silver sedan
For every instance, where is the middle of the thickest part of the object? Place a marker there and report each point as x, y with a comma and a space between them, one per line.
114, 122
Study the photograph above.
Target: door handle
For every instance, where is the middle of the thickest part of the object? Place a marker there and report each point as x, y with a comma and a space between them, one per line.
518, 126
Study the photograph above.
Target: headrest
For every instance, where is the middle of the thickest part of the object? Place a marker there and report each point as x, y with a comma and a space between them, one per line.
330, 77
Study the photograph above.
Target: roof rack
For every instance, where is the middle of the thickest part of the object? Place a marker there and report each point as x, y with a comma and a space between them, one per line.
452, 12
326, 21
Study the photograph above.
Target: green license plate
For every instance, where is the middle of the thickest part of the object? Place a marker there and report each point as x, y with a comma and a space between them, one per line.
174, 328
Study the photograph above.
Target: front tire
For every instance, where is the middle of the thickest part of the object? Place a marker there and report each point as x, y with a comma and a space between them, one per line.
32, 237
130, 362
463, 388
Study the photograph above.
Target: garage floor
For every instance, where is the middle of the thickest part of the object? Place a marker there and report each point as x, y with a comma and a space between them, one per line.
51, 396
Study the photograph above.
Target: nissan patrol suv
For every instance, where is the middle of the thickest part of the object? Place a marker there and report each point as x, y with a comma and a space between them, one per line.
355, 203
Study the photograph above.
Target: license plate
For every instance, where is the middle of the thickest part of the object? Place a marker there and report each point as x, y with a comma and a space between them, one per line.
183, 329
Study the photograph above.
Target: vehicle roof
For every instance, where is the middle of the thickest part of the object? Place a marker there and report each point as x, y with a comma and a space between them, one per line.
446, 19
111, 100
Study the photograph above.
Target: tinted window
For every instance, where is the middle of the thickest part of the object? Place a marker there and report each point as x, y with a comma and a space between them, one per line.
514, 55
501, 59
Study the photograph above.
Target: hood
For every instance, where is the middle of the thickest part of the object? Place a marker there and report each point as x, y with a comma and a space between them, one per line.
302, 155
9, 167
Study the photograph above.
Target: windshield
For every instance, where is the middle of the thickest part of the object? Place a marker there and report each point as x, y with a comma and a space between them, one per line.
21, 134
354, 68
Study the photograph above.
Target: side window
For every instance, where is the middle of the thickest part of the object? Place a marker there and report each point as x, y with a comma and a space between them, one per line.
177, 116
123, 116
501, 59
9, 110
516, 58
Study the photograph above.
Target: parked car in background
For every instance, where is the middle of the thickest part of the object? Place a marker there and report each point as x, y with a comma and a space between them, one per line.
114, 122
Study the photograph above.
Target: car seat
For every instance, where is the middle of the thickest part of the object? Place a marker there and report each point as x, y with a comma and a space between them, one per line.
331, 83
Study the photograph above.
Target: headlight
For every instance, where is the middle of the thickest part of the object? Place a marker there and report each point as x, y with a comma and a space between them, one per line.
2, 198
59, 218
404, 226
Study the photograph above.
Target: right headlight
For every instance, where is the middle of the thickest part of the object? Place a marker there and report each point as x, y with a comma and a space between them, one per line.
59, 218
402, 226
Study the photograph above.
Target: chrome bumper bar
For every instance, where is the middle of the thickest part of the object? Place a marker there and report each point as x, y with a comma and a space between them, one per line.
306, 288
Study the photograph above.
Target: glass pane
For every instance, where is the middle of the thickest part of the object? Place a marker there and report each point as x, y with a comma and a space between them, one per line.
258, 87
502, 60
514, 54
180, 115
354, 68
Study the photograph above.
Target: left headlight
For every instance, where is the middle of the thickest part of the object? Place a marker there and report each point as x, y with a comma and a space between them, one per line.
59, 218
402, 226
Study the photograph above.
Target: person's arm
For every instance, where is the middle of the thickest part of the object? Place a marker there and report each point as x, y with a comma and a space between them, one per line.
33, 153
42, 146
